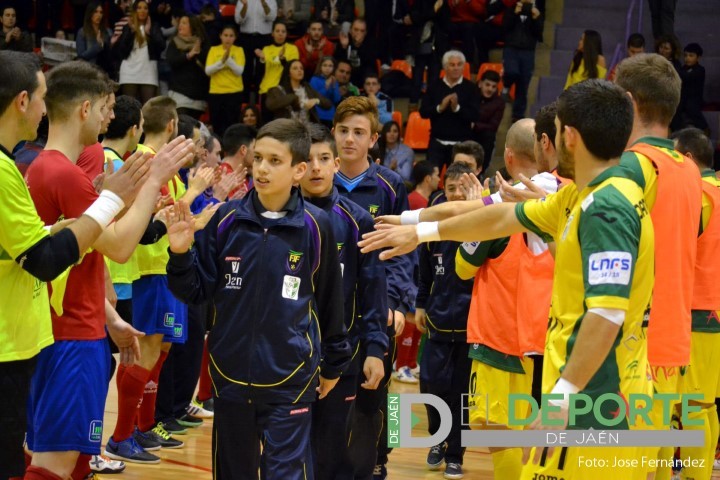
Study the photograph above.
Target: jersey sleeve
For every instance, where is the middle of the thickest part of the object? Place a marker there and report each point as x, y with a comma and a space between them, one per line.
73, 192
544, 216
609, 236
472, 255
20, 225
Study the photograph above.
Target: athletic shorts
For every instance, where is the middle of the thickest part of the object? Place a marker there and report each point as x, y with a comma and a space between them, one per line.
586, 463
703, 373
489, 391
157, 311
67, 397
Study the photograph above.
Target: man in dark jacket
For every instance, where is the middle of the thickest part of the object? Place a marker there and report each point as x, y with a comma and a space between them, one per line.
523, 24
491, 110
358, 49
451, 104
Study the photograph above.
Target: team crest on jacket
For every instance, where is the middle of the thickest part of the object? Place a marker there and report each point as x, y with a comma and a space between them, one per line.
294, 261
373, 209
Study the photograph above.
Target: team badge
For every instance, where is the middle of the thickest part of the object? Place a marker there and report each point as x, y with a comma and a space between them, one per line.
294, 261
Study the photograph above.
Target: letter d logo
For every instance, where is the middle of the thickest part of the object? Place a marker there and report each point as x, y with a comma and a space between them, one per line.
400, 420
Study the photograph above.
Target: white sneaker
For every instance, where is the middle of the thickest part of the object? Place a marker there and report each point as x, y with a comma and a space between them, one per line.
404, 375
196, 410
102, 464
416, 371
716, 464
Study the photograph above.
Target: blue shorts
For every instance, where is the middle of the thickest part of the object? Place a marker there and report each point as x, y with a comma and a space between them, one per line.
157, 311
67, 397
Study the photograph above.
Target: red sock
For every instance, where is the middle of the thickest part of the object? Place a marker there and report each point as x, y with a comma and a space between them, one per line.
146, 414
404, 347
82, 467
39, 473
417, 335
120, 374
130, 393
205, 386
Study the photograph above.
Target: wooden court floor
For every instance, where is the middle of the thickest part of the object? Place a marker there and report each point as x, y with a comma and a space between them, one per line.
193, 462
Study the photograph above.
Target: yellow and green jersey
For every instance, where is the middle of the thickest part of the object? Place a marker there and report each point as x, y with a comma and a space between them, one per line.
25, 326
225, 81
604, 259
127, 272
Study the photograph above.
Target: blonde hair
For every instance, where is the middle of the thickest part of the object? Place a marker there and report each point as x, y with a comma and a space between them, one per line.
358, 106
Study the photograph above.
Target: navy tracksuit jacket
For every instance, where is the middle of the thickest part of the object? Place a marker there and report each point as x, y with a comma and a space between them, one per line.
277, 290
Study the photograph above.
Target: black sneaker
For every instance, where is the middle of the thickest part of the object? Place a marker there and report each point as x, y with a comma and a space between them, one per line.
173, 427
379, 472
160, 435
147, 442
188, 420
436, 456
453, 470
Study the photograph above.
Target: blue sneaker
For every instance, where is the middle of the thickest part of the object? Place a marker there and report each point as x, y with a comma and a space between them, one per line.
129, 451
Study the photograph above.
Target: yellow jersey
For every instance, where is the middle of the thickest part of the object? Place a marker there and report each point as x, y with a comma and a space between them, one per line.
273, 65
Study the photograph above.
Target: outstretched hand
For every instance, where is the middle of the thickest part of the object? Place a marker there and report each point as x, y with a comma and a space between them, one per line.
400, 239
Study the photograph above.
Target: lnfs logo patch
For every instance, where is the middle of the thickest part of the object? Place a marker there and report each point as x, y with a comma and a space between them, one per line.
96, 429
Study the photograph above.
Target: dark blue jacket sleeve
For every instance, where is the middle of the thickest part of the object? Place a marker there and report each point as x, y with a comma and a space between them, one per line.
372, 292
425, 277
399, 270
192, 276
330, 306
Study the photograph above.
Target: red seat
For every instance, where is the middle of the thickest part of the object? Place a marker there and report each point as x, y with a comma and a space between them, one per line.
397, 117
417, 132
402, 66
227, 10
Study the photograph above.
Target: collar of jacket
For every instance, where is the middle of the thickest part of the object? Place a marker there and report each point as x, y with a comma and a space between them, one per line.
252, 208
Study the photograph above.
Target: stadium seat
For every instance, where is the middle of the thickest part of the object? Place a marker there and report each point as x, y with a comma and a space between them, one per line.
227, 10
397, 117
417, 132
402, 66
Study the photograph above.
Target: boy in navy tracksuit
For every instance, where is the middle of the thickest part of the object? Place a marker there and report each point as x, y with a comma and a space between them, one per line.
366, 308
269, 263
380, 191
441, 309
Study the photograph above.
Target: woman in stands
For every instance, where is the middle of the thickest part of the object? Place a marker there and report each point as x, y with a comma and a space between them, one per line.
588, 61
276, 57
225, 65
186, 55
669, 47
250, 116
139, 48
326, 85
395, 155
294, 97
93, 39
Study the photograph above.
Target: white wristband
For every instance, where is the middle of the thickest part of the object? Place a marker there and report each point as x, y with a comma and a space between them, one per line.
410, 217
105, 208
427, 232
566, 388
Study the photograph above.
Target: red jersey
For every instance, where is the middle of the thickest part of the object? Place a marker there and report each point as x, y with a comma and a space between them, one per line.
227, 169
415, 200
60, 189
92, 160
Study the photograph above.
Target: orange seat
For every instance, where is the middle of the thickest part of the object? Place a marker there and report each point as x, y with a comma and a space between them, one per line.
466, 72
227, 10
402, 66
397, 117
417, 132
496, 67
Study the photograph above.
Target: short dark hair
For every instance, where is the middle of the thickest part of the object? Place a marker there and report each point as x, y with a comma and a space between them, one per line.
157, 113
636, 40
346, 62
127, 115
371, 75
456, 170
692, 140
653, 83
186, 125
18, 74
421, 170
694, 48
236, 136
315, 20
490, 75
601, 112
71, 83
472, 148
320, 134
292, 133
545, 122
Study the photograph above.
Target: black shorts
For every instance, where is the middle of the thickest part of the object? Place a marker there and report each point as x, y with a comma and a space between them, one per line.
15, 387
